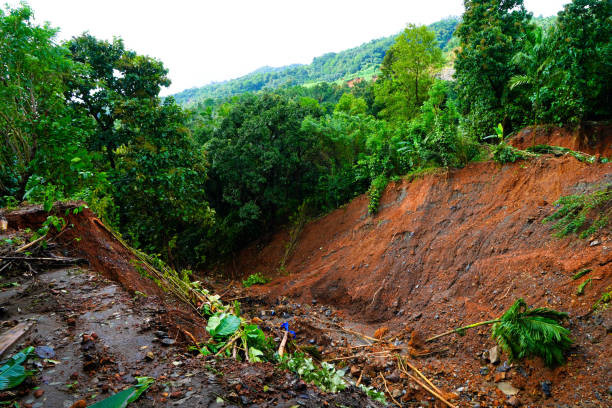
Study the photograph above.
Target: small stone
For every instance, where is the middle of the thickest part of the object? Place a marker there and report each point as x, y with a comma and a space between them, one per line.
503, 368
394, 377
546, 388
494, 355
150, 356
160, 334
39, 393
167, 341
513, 401
507, 388
594, 243
500, 377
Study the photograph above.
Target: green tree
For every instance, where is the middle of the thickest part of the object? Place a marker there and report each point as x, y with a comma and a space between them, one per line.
407, 73
260, 167
491, 34
348, 103
582, 63
114, 76
40, 135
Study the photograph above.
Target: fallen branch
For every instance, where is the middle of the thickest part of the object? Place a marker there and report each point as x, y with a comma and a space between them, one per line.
389, 392
61, 260
425, 386
26, 246
363, 336
462, 329
229, 343
281, 348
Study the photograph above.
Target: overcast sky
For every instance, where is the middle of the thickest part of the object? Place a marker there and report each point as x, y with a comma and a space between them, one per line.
204, 41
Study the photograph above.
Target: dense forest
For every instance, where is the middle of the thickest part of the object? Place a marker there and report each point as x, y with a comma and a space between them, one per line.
84, 120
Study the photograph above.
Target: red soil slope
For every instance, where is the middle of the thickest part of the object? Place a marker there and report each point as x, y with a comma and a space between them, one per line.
464, 244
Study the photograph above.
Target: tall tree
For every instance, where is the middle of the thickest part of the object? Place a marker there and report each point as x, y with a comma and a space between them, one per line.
490, 33
582, 61
39, 133
407, 73
114, 77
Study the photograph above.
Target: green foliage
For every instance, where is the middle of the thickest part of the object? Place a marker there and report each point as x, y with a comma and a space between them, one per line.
12, 373
374, 394
582, 286
491, 33
407, 73
362, 61
379, 184
573, 214
40, 134
524, 332
434, 138
326, 377
125, 397
255, 279
581, 273
604, 301
222, 325
580, 66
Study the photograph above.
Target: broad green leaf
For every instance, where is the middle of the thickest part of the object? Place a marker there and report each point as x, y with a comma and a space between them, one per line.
228, 325
13, 373
123, 398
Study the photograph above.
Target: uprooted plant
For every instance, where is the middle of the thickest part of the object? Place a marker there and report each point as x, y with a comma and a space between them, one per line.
525, 332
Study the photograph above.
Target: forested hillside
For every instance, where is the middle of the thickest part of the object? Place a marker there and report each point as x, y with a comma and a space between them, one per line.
362, 61
84, 120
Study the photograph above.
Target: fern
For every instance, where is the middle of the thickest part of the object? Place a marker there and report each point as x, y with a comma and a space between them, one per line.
523, 332
573, 210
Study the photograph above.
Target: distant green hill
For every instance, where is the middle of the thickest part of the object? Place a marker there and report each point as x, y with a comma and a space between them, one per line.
362, 61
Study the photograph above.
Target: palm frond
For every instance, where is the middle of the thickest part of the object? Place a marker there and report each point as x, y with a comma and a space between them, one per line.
523, 332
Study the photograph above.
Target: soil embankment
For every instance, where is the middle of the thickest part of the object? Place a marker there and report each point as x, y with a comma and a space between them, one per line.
458, 247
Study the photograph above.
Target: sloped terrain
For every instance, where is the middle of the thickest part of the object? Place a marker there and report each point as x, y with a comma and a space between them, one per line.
457, 247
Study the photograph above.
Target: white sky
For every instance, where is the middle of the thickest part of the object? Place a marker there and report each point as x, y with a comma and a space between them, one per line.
204, 41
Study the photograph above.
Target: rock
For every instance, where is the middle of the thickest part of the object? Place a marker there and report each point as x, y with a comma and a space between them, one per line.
394, 377
546, 388
513, 401
39, 393
150, 356
160, 334
503, 368
167, 341
44, 352
594, 243
507, 388
500, 377
494, 355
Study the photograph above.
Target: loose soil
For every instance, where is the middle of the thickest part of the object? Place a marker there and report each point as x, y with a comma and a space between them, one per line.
458, 247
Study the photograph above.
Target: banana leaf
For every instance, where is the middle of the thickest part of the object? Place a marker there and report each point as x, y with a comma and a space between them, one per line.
123, 398
13, 373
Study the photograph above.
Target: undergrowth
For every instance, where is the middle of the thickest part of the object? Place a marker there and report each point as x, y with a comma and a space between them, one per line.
572, 216
255, 279
375, 193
